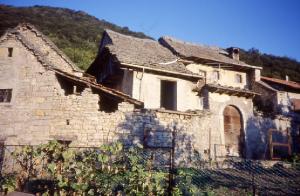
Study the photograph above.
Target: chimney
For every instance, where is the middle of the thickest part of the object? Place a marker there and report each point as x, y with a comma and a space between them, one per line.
234, 53
286, 77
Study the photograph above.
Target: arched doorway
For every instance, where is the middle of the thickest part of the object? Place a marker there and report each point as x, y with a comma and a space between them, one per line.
233, 131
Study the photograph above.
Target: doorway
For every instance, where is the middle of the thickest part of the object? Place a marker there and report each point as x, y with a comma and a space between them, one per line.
233, 132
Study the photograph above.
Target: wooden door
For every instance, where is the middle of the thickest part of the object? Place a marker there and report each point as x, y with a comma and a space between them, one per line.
233, 131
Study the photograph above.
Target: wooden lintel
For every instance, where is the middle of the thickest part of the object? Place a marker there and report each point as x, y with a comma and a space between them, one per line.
239, 94
281, 144
235, 93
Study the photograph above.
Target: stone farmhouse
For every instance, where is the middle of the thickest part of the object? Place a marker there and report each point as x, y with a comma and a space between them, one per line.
281, 97
165, 94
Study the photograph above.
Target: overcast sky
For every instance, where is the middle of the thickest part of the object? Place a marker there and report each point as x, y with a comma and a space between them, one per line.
272, 26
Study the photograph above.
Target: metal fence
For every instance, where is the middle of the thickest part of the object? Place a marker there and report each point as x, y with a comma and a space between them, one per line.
243, 177
233, 176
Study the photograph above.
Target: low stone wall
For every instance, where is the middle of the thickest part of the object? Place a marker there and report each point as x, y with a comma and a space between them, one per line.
257, 136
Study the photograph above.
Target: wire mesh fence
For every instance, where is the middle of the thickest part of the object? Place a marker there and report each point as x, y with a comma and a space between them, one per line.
241, 177
233, 176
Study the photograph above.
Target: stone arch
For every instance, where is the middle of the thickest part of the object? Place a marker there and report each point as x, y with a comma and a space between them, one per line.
234, 134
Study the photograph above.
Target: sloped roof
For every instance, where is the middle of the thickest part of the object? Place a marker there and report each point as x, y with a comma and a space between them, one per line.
144, 52
190, 50
91, 82
17, 31
231, 90
266, 85
289, 84
75, 75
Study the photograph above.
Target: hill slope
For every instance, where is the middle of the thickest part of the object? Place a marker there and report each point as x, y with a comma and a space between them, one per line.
75, 32
273, 66
78, 34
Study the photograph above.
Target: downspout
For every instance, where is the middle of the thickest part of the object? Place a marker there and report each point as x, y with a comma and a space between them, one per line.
141, 79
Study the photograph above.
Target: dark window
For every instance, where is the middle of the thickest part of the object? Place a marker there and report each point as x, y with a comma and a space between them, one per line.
108, 104
238, 78
65, 143
78, 89
168, 98
5, 95
10, 52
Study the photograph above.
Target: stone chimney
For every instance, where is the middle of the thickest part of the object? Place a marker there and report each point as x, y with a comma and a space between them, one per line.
234, 53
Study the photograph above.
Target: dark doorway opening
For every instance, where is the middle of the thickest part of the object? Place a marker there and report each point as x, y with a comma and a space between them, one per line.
168, 95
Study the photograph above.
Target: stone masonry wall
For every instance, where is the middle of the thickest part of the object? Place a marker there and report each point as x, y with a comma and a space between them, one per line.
41, 111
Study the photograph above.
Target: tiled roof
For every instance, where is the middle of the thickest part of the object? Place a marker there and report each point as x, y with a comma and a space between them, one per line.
75, 75
91, 82
143, 52
230, 90
190, 50
17, 31
289, 84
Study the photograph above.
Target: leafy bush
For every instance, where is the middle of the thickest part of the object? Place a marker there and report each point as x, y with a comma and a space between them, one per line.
106, 170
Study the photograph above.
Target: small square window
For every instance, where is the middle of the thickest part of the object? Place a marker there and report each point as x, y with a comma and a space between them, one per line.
5, 95
10, 52
238, 78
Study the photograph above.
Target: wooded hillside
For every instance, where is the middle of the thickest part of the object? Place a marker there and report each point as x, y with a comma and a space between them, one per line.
78, 34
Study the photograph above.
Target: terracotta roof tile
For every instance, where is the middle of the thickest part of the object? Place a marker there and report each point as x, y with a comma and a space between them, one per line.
289, 84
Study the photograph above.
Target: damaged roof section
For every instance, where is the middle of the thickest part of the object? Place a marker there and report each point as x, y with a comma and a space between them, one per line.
143, 53
91, 82
201, 53
74, 74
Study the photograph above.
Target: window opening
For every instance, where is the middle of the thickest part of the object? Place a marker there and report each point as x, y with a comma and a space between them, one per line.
168, 95
5, 95
10, 52
238, 78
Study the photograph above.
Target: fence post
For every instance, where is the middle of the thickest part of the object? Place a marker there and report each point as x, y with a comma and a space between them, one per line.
2, 150
253, 183
171, 168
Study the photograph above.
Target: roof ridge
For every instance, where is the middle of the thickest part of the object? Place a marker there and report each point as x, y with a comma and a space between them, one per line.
215, 48
48, 42
209, 53
108, 31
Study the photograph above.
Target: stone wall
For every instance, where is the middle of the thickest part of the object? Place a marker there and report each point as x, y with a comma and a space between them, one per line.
46, 48
43, 109
258, 139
